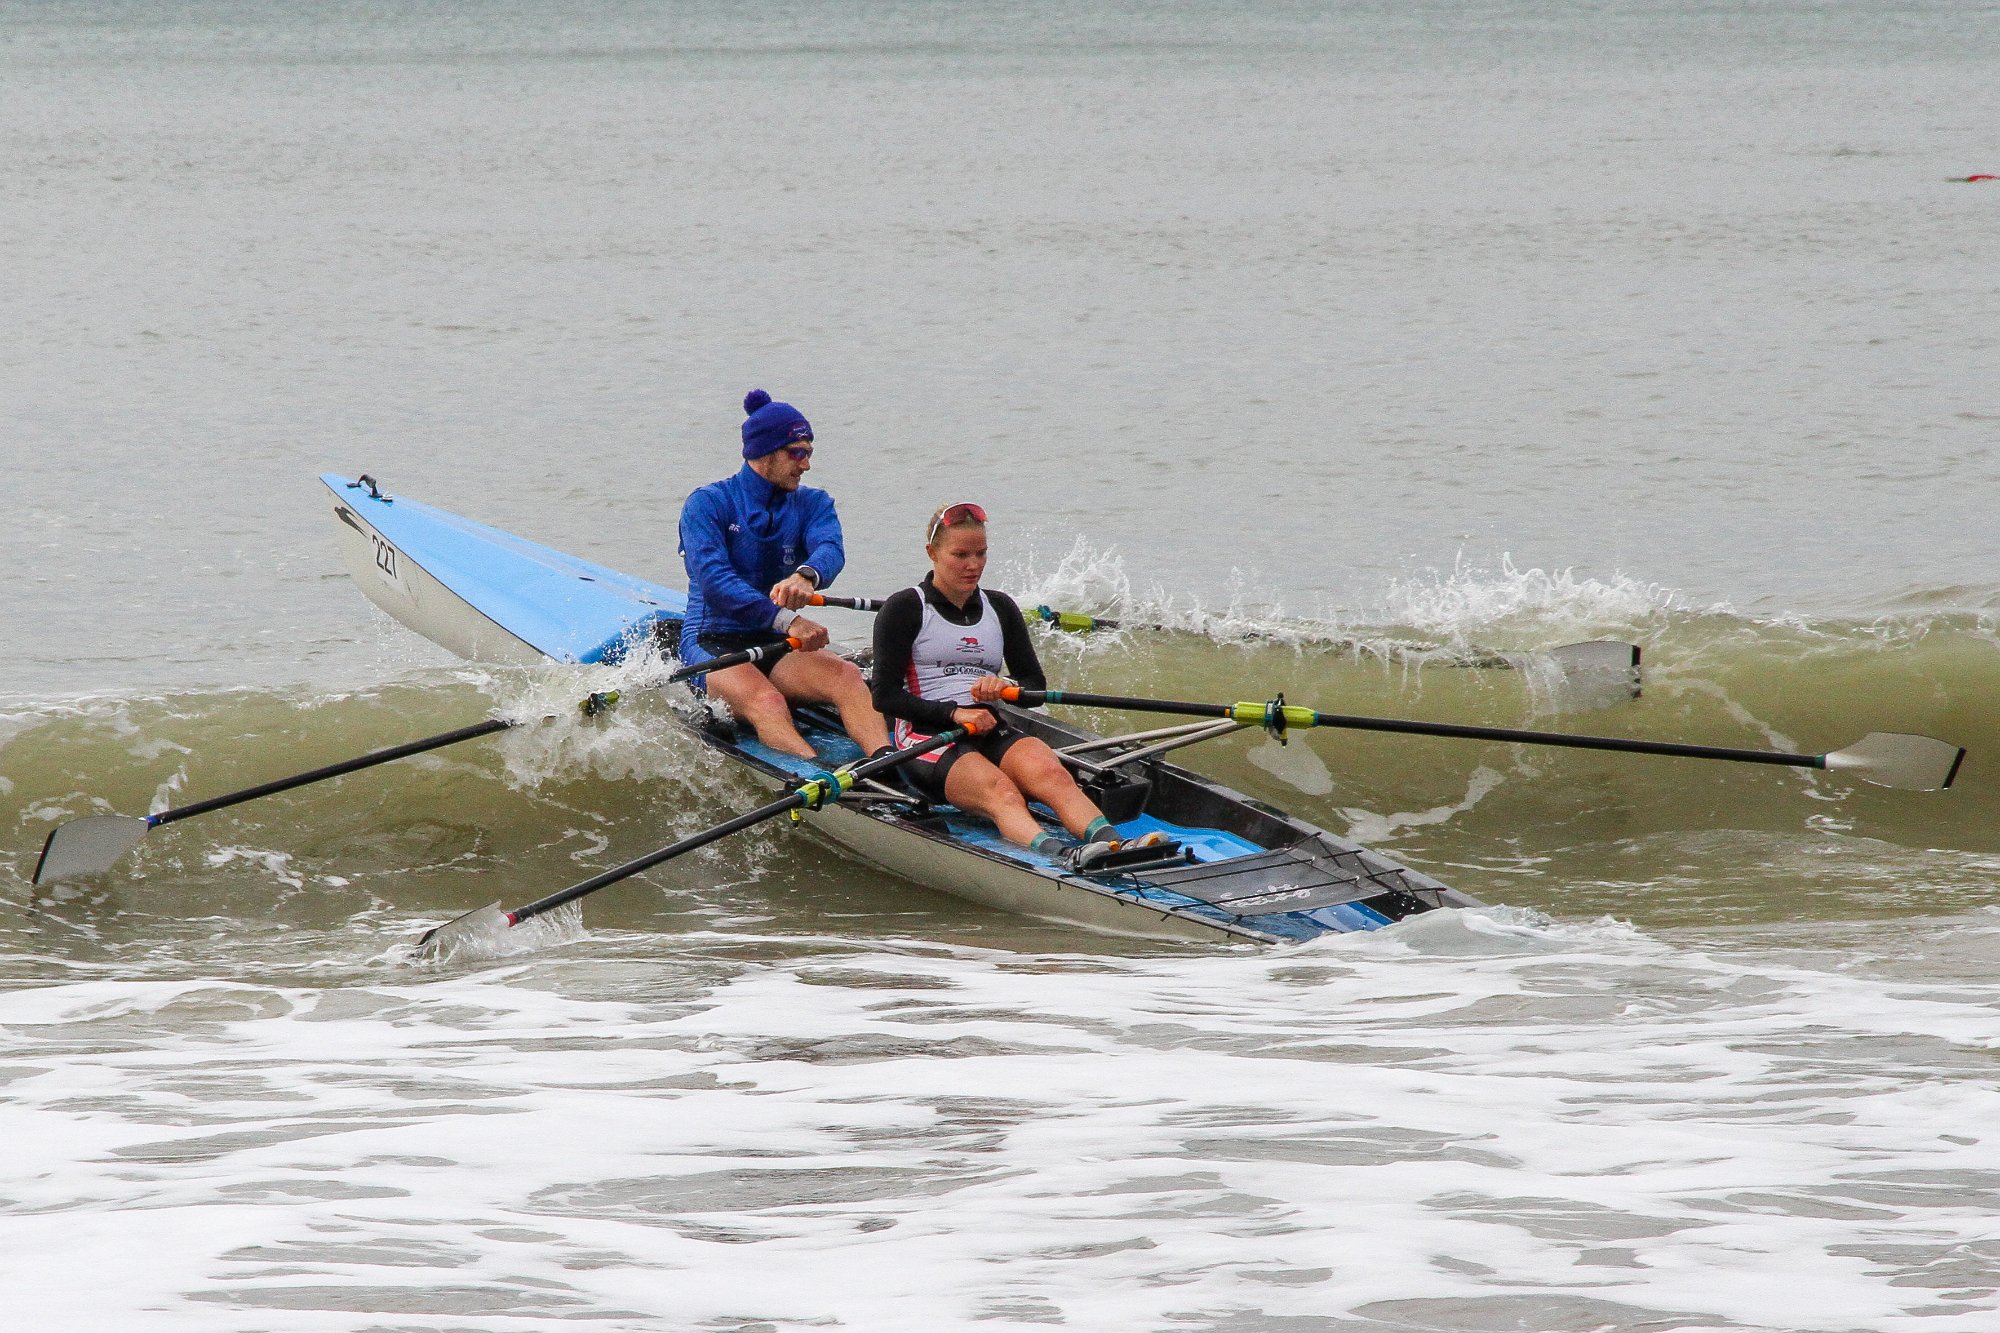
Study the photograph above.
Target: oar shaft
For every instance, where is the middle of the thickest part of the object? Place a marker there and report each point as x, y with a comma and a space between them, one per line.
369, 760
1293, 716
818, 788
1074, 621
1179, 708
757, 654
1566, 740
651, 859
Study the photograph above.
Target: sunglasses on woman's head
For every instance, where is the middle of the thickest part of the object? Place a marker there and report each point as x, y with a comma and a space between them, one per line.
953, 515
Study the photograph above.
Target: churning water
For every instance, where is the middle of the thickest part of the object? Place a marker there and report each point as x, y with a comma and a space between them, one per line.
1315, 342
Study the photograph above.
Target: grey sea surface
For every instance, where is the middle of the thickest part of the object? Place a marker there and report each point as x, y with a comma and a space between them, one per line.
1332, 296
1302, 338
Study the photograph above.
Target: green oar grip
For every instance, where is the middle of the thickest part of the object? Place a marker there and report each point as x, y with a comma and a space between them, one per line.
1276, 716
822, 789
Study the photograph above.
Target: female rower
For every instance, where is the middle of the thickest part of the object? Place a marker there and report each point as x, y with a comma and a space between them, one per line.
939, 649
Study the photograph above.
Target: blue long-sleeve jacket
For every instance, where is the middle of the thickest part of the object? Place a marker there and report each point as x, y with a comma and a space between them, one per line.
738, 538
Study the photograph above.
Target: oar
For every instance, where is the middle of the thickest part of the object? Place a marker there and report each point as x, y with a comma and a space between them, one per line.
92, 844
603, 699
1885, 758
1610, 657
1073, 622
821, 789
1070, 620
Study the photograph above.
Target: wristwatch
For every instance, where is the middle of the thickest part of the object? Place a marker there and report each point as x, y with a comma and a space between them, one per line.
808, 572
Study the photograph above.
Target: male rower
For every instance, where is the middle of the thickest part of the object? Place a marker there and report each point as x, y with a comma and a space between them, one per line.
757, 530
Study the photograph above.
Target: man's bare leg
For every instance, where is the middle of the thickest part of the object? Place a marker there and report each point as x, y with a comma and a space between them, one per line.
754, 698
823, 678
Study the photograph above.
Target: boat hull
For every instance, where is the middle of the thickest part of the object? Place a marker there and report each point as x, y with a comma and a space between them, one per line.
948, 868
1248, 872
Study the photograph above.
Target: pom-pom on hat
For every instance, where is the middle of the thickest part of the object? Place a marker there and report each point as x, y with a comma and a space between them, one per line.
771, 425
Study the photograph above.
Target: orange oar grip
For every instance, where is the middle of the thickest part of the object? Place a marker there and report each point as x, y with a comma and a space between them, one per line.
795, 643
814, 600
1011, 693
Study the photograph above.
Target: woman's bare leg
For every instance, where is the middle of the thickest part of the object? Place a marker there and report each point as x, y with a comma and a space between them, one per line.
977, 785
1037, 772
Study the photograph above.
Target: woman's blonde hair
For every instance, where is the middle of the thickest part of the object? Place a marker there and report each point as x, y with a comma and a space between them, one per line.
973, 517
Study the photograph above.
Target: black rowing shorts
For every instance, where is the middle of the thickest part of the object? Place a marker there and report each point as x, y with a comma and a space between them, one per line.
926, 773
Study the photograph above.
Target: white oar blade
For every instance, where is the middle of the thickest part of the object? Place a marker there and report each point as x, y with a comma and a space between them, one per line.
87, 846
478, 930
1900, 759
1601, 663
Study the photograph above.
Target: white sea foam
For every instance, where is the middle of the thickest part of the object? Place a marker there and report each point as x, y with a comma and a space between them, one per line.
1121, 278
1434, 616
1367, 826
635, 736
1473, 601
275, 865
1294, 765
1438, 1122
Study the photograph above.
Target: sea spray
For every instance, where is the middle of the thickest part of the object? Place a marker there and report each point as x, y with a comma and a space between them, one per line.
1478, 601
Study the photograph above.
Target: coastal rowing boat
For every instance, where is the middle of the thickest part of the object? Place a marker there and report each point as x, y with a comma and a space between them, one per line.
1231, 867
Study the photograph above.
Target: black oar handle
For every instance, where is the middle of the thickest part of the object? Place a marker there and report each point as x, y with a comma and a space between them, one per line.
368, 760
849, 603
821, 790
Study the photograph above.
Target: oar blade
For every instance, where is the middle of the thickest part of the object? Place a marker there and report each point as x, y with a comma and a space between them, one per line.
87, 846
1606, 660
477, 929
1900, 759
1576, 677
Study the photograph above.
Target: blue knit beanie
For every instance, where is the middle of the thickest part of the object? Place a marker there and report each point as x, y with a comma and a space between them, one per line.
771, 426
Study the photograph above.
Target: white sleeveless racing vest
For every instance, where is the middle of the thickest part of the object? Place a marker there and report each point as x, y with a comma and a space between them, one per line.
945, 658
